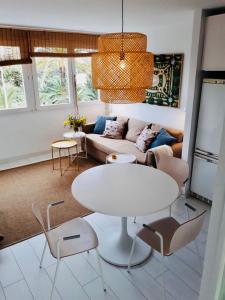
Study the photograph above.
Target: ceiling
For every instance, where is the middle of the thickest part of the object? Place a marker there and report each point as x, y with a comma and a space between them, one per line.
177, 4
99, 15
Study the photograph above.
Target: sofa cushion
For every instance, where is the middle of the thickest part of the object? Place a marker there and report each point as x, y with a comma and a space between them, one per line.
124, 121
177, 149
178, 134
135, 127
145, 139
113, 130
163, 138
100, 123
110, 145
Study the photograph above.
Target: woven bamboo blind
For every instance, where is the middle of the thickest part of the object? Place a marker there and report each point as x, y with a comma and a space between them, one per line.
14, 47
18, 46
65, 44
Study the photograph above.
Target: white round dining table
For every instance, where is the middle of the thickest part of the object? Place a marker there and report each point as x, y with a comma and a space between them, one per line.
124, 190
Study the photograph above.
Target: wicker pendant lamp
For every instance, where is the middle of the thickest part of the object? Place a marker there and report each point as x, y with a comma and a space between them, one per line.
122, 69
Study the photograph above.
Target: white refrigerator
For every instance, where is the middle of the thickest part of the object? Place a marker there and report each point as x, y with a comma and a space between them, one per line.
208, 138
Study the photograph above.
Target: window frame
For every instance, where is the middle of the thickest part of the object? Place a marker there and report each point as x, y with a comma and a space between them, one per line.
82, 103
38, 105
31, 92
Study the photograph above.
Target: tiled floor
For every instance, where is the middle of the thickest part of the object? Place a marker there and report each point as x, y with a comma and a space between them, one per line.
21, 277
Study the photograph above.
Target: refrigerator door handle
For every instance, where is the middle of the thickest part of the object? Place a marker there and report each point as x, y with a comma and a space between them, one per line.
202, 152
205, 159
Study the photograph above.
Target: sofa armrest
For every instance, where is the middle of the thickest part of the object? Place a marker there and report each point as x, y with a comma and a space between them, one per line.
177, 149
88, 128
150, 159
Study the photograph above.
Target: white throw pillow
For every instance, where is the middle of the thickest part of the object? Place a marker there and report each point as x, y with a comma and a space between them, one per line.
145, 138
113, 130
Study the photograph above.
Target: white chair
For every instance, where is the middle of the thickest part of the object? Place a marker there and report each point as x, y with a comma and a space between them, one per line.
69, 238
167, 236
177, 168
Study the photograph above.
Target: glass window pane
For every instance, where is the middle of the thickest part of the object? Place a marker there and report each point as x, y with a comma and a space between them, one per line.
2, 96
9, 53
85, 90
52, 75
12, 93
50, 50
79, 50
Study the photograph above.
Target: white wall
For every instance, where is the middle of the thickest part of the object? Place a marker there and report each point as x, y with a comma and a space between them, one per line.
174, 37
168, 32
26, 133
194, 88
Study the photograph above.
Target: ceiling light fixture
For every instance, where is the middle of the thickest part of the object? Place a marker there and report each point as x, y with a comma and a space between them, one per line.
122, 69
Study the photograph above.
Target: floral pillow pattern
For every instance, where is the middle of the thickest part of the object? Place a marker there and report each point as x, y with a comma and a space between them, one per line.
145, 139
113, 130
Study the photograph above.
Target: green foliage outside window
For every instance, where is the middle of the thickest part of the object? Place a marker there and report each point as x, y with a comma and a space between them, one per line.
85, 90
52, 82
11, 87
52, 77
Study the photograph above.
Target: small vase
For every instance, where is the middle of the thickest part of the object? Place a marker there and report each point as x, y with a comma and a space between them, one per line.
77, 129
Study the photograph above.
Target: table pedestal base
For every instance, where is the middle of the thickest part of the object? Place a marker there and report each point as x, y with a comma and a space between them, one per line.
115, 248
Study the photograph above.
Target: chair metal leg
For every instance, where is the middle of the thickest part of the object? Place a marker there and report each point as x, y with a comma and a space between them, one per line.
43, 254
199, 256
69, 156
163, 276
60, 162
55, 276
100, 269
131, 254
85, 146
52, 160
170, 210
77, 157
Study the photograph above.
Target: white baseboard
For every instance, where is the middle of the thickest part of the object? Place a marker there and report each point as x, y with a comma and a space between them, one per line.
24, 160
27, 159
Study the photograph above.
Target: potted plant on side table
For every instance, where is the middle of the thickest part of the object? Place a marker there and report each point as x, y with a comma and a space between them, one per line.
75, 122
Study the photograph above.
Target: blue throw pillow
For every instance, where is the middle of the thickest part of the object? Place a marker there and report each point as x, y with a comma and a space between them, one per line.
100, 123
163, 138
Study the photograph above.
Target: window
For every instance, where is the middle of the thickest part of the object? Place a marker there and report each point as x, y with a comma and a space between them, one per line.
84, 88
12, 92
52, 79
9, 52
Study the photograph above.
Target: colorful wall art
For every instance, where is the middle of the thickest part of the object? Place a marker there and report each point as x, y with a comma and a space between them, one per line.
167, 79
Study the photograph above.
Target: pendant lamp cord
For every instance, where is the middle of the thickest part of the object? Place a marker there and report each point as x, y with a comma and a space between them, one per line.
122, 36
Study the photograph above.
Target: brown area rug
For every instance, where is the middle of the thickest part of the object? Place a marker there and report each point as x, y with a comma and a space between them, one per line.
21, 186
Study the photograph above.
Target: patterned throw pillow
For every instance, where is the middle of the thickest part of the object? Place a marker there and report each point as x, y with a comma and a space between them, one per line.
113, 130
145, 138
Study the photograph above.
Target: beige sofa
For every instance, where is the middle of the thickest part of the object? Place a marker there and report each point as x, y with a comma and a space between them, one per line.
99, 147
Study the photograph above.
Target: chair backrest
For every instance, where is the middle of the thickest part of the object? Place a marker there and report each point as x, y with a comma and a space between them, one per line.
37, 213
186, 232
175, 167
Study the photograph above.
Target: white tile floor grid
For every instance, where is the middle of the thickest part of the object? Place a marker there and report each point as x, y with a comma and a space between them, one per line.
78, 277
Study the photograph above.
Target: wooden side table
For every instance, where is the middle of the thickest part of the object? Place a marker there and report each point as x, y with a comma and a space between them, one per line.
77, 136
63, 145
